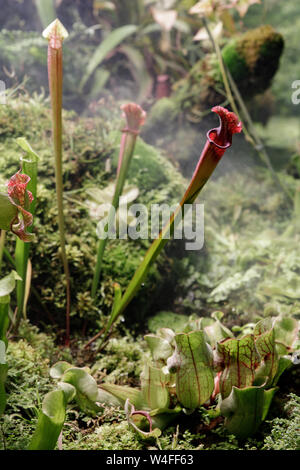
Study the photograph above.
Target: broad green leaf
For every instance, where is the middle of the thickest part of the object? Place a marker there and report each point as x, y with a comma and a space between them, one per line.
107, 45
122, 393
284, 363
154, 387
286, 333
82, 381
192, 362
8, 283
246, 409
50, 422
68, 389
58, 370
264, 336
107, 398
238, 359
86, 389
100, 79
7, 212
216, 331
160, 348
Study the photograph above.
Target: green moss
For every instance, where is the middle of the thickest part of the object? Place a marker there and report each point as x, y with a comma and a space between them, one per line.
121, 362
235, 61
27, 381
285, 431
108, 437
253, 59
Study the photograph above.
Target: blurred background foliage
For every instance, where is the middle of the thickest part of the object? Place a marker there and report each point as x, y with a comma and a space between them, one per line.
145, 50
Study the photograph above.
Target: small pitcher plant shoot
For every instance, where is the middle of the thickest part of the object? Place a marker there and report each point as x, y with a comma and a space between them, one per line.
29, 166
135, 118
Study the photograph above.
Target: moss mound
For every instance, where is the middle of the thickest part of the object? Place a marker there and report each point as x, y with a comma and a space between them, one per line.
253, 59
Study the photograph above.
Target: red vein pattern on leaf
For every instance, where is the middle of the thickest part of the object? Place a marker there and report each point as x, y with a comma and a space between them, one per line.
239, 358
21, 198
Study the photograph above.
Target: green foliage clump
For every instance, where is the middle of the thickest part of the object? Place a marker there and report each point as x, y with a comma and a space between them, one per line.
27, 381
252, 58
284, 434
176, 440
121, 362
114, 436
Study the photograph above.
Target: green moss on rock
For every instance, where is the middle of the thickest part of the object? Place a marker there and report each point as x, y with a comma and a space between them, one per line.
253, 59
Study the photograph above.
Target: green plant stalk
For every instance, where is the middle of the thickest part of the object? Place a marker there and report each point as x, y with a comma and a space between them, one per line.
251, 136
127, 149
56, 33
135, 118
7, 285
29, 167
218, 140
2, 244
4, 321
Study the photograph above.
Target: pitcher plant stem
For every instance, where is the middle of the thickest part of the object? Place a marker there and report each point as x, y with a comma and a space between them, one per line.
56, 33
135, 118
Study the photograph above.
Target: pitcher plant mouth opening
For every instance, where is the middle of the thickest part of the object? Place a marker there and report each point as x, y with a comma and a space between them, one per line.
221, 136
